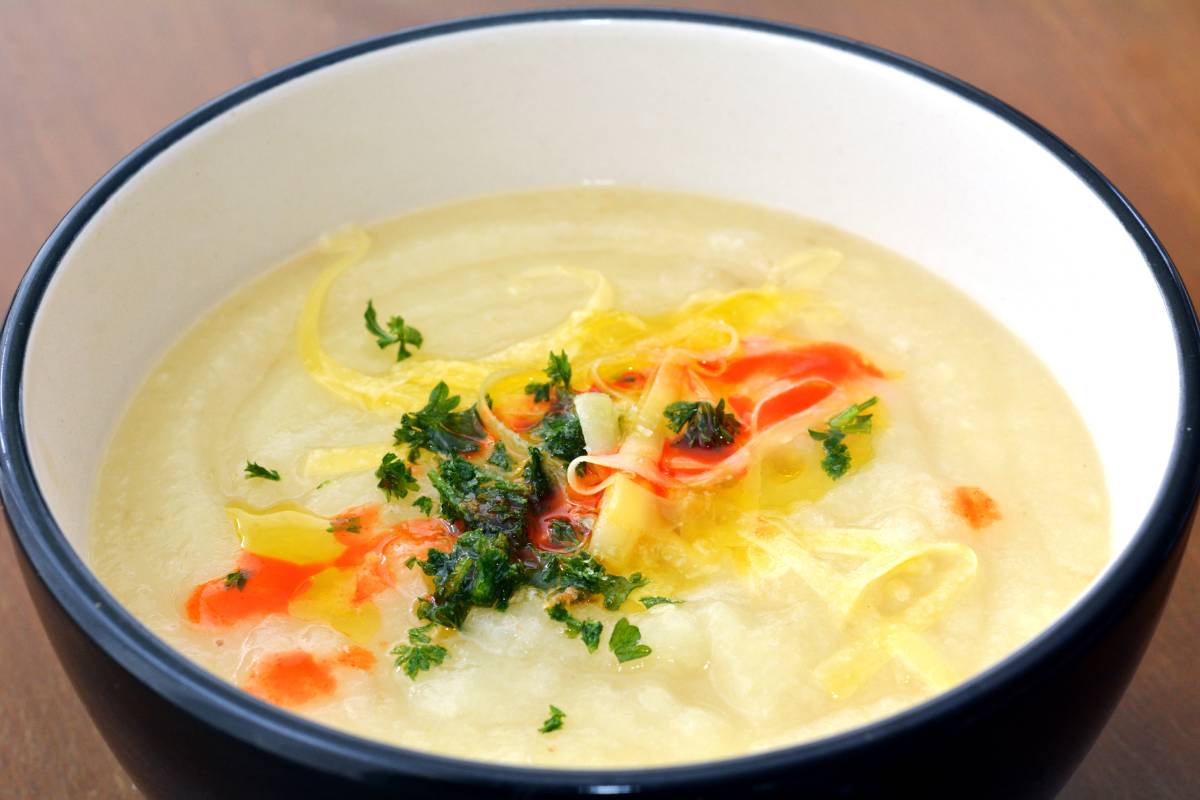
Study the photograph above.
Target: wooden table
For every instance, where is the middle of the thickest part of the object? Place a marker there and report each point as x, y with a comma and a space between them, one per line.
83, 83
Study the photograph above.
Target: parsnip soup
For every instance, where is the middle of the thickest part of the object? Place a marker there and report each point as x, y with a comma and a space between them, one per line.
598, 477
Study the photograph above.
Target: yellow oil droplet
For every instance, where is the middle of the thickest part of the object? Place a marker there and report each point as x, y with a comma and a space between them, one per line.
330, 599
326, 462
285, 532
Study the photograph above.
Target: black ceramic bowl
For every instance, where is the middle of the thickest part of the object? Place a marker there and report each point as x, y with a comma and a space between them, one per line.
822, 126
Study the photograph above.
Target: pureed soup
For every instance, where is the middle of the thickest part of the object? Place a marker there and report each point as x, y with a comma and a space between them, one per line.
598, 477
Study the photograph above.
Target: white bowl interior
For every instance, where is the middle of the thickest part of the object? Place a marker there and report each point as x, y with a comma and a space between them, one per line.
725, 111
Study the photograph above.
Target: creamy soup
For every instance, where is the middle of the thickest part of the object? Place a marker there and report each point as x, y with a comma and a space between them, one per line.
598, 477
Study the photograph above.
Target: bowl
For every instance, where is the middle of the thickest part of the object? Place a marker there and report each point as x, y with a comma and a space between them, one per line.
794, 119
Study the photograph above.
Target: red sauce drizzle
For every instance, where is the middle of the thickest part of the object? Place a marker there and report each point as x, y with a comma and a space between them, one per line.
975, 506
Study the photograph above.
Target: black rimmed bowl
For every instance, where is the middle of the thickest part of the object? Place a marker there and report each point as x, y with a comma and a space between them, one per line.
803, 121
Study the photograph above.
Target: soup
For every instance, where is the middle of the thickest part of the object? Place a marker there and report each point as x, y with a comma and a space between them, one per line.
598, 477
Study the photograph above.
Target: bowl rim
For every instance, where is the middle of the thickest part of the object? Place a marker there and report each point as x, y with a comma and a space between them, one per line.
234, 713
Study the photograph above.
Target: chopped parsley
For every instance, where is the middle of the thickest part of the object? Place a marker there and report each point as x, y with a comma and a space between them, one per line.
254, 470
500, 459
438, 428
395, 478
480, 499
655, 600
836, 462
588, 630
707, 426
558, 370
236, 579
479, 571
533, 474
562, 435
345, 525
582, 572
554, 721
565, 534
625, 642
397, 333
420, 653
425, 505
560, 432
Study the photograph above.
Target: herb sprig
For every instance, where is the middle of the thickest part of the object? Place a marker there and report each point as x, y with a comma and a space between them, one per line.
256, 470
554, 721
836, 462
395, 478
588, 630
236, 579
707, 426
420, 653
625, 642
438, 428
396, 333
558, 370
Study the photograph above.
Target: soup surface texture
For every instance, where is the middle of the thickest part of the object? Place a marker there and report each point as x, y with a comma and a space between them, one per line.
598, 477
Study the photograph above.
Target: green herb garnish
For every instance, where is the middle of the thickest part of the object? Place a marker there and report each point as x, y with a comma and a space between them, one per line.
562, 435
708, 426
438, 428
425, 505
656, 600
558, 370
555, 720
480, 499
581, 571
395, 478
397, 333
236, 579
420, 653
588, 630
478, 572
254, 470
837, 455
537, 483
625, 642
500, 459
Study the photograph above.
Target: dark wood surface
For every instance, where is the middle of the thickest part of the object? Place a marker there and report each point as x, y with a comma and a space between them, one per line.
82, 83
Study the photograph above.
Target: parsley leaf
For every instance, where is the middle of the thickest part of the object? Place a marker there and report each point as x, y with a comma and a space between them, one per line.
425, 505
655, 600
562, 435
583, 572
420, 653
555, 721
395, 478
254, 470
537, 483
587, 630
836, 462
500, 459
397, 333
479, 571
438, 428
558, 370
708, 426
480, 499
236, 579
624, 642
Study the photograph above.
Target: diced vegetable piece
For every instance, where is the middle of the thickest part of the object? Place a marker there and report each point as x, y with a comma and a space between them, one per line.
628, 512
599, 420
